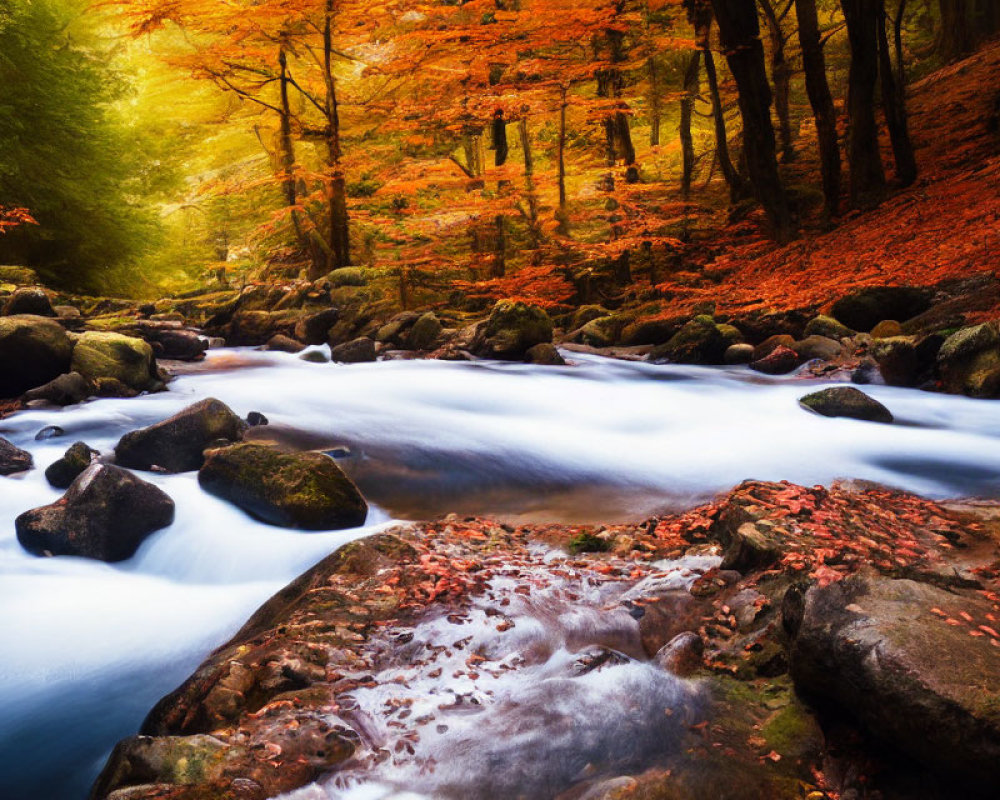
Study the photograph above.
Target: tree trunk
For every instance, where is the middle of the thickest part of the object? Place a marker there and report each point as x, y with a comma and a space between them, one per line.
955, 35
781, 75
499, 268
340, 243
687, 108
700, 15
561, 214
866, 176
894, 106
287, 151
529, 183
500, 148
654, 102
609, 85
818, 89
740, 36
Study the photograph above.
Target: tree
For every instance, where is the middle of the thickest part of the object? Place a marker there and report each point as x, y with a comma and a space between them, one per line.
818, 89
867, 180
775, 12
894, 106
740, 37
66, 150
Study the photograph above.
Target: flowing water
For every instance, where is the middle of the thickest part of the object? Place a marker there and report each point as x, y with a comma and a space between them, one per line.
86, 648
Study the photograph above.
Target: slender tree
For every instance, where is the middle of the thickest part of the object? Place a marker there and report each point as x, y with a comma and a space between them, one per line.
867, 179
894, 106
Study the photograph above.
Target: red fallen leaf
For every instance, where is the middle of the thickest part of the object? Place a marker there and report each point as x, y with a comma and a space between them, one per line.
990, 631
966, 616
773, 756
952, 622
938, 611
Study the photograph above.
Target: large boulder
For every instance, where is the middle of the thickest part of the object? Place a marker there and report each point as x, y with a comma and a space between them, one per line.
315, 328
897, 360
897, 656
699, 342
969, 361
178, 443
512, 329
33, 351
780, 361
106, 514
284, 344
598, 332
846, 401
650, 331
864, 309
13, 459
29, 301
301, 490
356, 351
64, 470
816, 346
171, 340
827, 326
105, 356
425, 332
66, 390
545, 354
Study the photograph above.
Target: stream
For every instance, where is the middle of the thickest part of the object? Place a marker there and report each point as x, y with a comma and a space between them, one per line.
88, 648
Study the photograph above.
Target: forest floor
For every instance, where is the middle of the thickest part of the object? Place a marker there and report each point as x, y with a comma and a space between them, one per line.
944, 227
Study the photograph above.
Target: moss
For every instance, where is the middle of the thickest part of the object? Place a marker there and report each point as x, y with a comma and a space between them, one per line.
113, 355
588, 543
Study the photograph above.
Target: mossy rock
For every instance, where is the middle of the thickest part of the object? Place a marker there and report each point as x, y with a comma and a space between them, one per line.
865, 308
514, 328
823, 325
19, 276
63, 471
307, 491
347, 276
33, 351
424, 333
699, 342
126, 359
969, 361
585, 314
177, 444
587, 543
846, 401
599, 332
13, 459
29, 300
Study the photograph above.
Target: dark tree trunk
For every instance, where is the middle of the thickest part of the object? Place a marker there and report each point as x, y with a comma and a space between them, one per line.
894, 106
609, 84
287, 154
500, 148
687, 109
955, 34
866, 176
561, 213
821, 101
531, 195
740, 36
700, 15
781, 74
654, 101
340, 243
499, 268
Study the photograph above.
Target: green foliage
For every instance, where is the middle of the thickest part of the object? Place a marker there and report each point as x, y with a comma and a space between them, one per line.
67, 151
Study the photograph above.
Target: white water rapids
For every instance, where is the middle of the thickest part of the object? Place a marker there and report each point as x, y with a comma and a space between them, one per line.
87, 648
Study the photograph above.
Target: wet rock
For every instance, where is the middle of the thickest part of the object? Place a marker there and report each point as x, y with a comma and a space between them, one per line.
394, 331
864, 309
598, 332
63, 471
254, 328
66, 390
969, 361
315, 328
682, 655
425, 332
105, 514
303, 490
255, 419
780, 361
816, 346
177, 444
738, 354
897, 360
174, 342
585, 314
19, 276
284, 344
356, 351
886, 329
772, 343
828, 327
13, 459
699, 342
100, 356
545, 354
881, 651
314, 357
33, 351
512, 329
866, 372
49, 432
750, 547
650, 331
29, 301
846, 401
